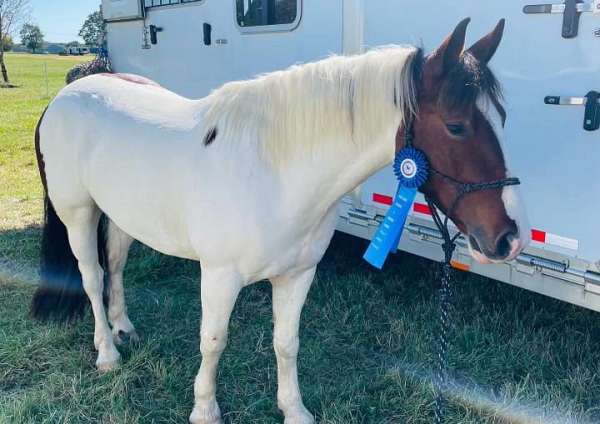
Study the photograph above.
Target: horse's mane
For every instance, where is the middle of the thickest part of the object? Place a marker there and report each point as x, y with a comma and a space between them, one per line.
341, 99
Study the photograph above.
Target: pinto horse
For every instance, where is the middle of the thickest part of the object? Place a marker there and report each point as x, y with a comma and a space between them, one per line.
247, 181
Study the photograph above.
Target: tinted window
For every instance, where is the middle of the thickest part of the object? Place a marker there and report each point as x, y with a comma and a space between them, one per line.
266, 12
155, 3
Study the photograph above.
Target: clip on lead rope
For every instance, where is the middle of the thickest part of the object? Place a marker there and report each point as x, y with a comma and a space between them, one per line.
412, 170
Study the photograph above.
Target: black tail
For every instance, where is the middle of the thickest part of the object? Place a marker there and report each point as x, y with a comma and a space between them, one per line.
60, 295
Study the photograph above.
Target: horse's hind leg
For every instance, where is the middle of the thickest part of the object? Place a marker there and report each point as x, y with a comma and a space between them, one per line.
117, 248
82, 228
219, 291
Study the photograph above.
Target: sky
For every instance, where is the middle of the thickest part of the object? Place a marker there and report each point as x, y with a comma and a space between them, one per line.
60, 20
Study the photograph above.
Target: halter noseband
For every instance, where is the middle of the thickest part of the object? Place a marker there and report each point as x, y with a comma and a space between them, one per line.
462, 189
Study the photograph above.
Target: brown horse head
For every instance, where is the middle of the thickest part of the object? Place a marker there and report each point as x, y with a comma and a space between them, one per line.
454, 127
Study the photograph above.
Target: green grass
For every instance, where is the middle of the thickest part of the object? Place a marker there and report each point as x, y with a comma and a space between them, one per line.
20, 109
367, 338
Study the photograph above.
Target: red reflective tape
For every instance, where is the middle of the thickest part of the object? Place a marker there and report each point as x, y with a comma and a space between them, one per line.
383, 199
422, 208
537, 235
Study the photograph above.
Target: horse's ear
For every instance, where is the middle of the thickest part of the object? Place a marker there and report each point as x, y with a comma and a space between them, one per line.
484, 49
448, 53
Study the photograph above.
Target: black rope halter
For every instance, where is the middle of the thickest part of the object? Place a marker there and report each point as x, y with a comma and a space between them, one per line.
449, 245
462, 189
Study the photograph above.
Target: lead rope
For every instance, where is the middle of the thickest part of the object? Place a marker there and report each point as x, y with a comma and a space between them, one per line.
411, 169
446, 294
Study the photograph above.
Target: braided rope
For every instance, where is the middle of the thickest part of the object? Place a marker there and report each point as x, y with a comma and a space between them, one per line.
446, 293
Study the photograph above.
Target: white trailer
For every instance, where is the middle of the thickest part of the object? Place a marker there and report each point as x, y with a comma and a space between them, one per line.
548, 63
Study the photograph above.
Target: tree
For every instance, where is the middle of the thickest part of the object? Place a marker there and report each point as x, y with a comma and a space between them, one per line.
93, 29
12, 13
7, 43
32, 37
72, 44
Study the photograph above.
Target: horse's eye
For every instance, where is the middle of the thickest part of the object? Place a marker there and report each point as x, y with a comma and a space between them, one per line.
456, 129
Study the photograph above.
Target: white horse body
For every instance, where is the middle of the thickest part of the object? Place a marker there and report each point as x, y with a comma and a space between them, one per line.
222, 204
109, 140
259, 201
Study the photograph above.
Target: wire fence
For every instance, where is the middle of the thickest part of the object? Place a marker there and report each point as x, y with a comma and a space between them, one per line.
41, 75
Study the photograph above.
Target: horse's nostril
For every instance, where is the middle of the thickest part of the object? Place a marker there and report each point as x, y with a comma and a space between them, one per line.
504, 244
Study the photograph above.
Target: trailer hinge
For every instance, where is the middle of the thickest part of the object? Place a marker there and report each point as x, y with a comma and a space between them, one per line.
538, 262
424, 233
563, 271
361, 217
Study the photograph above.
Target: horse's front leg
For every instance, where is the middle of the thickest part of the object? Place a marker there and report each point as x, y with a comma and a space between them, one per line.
289, 294
219, 290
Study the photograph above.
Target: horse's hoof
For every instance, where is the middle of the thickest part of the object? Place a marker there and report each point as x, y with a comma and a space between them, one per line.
300, 419
121, 337
134, 337
109, 361
203, 421
210, 414
301, 416
108, 366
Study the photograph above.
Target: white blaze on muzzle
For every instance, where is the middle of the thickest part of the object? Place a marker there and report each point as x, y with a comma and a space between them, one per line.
511, 195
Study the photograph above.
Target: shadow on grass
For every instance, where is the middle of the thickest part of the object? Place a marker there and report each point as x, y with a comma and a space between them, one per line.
359, 325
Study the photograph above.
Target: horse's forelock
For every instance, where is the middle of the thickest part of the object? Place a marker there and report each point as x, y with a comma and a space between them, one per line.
467, 82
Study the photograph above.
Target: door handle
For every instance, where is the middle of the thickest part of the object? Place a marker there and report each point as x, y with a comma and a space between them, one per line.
154, 30
591, 101
592, 111
207, 34
571, 10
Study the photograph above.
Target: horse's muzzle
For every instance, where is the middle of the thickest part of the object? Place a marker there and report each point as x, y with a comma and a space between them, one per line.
506, 246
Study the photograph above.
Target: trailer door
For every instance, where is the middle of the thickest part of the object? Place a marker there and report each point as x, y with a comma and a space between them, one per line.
193, 47
274, 34
547, 64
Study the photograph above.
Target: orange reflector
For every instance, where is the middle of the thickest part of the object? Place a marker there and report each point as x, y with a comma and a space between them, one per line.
460, 266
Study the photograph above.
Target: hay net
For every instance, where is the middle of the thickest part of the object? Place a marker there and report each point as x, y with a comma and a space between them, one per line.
101, 64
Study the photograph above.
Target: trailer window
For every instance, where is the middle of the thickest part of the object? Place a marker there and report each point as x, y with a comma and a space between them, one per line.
261, 13
156, 3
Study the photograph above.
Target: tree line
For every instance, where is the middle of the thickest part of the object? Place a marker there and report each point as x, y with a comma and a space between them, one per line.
15, 15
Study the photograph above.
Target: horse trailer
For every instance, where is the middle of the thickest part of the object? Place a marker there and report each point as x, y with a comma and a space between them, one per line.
548, 65
78, 50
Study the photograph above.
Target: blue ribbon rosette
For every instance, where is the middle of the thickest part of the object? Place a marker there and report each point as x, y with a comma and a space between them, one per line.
412, 170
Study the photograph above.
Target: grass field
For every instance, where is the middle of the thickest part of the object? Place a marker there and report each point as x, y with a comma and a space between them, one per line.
367, 338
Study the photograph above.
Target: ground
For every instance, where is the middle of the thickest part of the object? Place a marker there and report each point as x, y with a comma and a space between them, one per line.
367, 338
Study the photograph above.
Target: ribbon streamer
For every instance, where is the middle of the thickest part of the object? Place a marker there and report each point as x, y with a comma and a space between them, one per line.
388, 235
412, 170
